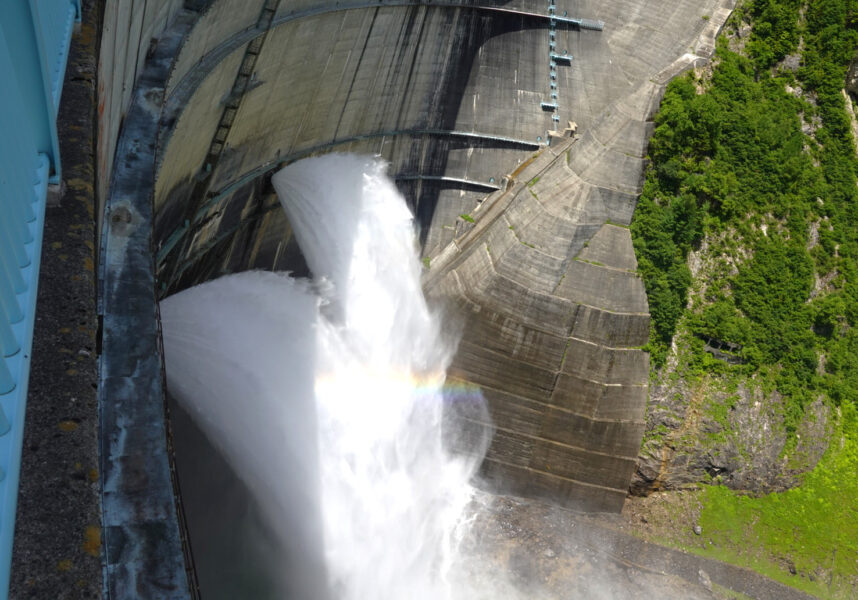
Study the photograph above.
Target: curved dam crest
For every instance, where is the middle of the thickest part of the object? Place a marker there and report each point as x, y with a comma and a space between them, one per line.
541, 270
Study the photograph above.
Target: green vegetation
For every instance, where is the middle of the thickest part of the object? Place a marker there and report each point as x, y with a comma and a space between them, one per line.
426, 261
753, 169
776, 30
812, 529
732, 166
615, 224
466, 217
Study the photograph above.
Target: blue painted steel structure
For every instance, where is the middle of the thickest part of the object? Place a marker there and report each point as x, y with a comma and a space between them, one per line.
34, 42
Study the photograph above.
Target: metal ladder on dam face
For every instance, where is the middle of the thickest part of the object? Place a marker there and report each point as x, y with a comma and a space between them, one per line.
555, 58
242, 84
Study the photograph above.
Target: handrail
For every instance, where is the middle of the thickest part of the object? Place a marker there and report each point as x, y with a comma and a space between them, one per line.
54, 29
34, 43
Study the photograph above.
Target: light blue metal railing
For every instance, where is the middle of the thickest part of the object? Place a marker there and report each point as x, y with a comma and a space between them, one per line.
55, 22
34, 42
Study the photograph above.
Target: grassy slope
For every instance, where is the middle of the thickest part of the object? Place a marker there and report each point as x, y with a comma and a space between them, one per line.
758, 160
812, 528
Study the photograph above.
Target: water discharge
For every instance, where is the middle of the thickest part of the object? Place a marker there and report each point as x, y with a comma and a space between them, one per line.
328, 399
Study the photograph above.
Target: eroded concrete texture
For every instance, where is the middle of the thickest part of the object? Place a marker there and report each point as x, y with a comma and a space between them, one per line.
556, 314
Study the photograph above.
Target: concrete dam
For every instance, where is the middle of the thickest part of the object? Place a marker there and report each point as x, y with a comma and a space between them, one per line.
517, 131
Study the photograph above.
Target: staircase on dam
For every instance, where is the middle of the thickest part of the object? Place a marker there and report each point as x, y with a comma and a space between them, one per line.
518, 133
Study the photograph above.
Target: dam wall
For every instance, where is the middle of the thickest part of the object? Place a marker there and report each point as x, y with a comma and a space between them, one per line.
556, 316
438, 90
524, 226
127, 34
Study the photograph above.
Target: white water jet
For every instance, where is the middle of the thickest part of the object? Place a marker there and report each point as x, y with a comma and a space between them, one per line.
240, 360
333, 401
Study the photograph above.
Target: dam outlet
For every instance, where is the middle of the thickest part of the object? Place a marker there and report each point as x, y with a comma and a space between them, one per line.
327, 398
374, 358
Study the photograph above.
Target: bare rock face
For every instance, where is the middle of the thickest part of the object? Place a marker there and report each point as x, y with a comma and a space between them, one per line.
530, 550
852, 78
704, 434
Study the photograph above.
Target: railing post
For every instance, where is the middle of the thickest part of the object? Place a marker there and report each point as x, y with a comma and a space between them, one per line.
9, 345
19, 32
7, 384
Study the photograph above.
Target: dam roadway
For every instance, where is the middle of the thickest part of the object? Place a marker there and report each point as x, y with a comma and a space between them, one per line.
198, 105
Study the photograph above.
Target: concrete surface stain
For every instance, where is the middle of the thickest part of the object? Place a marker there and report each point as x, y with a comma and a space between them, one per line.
79, 185
86, 35
92, 540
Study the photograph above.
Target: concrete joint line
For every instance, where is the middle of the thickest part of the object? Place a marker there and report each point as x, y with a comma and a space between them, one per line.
595, 486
